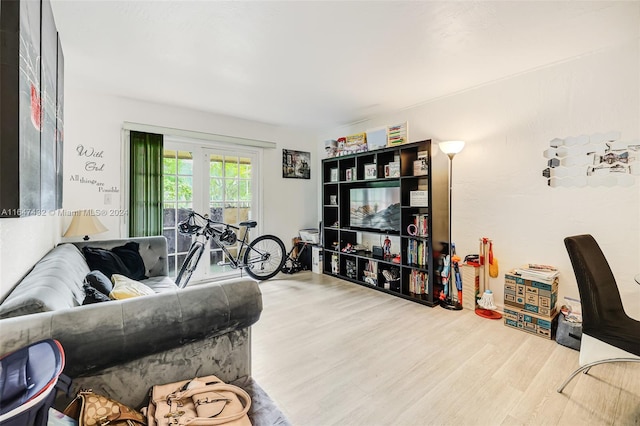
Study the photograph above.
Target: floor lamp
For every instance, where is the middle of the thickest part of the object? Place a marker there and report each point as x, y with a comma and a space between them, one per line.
451, 148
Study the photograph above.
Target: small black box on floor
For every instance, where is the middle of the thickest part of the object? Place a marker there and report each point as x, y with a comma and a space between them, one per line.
569, 334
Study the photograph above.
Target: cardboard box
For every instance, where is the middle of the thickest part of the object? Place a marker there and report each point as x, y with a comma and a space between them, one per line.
539, 325
532, 296
470, 285
316, 259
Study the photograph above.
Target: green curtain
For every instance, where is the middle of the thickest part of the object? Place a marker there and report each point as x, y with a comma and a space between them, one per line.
145, 200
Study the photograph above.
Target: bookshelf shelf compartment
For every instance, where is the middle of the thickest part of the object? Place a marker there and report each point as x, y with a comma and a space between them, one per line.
378, 169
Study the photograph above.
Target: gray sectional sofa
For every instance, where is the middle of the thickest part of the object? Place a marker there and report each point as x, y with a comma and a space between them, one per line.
122, 347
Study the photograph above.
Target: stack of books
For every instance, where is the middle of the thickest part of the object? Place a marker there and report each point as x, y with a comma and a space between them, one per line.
417, 253
540, 273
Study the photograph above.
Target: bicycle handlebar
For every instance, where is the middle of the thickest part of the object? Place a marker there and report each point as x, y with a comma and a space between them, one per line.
212, 222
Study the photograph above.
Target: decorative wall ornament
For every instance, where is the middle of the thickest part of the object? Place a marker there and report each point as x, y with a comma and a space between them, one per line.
295, 164
601, 159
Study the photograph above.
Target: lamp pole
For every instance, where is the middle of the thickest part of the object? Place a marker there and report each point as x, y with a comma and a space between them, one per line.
451, 148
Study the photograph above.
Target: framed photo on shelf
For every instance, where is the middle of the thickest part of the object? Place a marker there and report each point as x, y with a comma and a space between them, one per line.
370, 171
420, 167
392, 170
348, 175
333, 177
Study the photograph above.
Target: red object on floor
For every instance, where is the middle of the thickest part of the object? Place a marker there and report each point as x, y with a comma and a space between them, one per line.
488, 313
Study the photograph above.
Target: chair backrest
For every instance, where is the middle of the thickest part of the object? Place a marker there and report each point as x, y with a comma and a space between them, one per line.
599, 294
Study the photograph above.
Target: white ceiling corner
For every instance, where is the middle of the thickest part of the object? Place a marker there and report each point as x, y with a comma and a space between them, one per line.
320, 64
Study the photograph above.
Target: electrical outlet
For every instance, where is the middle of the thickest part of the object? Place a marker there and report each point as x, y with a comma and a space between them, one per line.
107, 199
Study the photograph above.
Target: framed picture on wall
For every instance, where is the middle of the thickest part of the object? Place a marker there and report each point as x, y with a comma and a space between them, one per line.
295, 164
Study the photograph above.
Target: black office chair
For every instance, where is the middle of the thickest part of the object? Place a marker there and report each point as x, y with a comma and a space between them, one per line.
608, 333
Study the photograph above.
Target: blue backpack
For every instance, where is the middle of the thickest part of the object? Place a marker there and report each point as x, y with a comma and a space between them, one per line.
29, 378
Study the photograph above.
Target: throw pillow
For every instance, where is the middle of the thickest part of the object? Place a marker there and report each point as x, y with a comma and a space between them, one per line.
124, 288
104, 261
99, 281
130, 256
92, 295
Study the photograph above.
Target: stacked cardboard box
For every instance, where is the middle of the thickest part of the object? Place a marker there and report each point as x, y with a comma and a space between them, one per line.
470, 285
530, 305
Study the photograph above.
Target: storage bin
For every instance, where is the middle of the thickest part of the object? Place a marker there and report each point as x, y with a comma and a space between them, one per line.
569, 334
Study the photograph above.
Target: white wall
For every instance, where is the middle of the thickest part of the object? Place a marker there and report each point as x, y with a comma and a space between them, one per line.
499, 191
95, 120
23, 241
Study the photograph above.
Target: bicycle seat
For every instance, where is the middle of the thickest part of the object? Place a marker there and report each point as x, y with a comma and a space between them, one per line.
249, 223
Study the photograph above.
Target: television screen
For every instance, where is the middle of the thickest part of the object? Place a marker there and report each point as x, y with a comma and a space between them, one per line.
375, 208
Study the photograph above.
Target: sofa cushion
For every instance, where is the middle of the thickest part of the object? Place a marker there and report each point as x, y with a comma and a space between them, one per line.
54, 283
99, 281
92, 295
125, 288
130, 256
105, 261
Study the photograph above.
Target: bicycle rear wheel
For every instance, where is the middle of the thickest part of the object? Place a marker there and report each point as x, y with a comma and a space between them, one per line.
189, 264
264, 257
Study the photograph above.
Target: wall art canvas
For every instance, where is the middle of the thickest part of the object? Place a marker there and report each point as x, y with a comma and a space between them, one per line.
30, 107
601, 159
296, 164
48, 100
59, 125
31, 121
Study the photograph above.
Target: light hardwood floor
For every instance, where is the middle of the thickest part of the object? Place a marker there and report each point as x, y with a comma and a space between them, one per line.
335, 353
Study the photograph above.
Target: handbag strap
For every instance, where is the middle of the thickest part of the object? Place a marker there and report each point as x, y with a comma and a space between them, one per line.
206, 421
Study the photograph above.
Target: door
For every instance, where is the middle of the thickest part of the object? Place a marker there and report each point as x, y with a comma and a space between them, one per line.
219, 181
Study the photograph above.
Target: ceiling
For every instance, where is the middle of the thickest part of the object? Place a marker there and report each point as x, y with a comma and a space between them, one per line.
322, 64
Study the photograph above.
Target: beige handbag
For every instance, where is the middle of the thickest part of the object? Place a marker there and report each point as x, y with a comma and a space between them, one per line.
203, 401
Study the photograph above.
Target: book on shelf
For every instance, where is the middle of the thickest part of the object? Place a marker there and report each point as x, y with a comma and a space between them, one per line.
418, 282
420, 226
417, 253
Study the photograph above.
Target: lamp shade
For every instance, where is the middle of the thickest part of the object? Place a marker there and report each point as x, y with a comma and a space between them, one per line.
84, 223
451, 147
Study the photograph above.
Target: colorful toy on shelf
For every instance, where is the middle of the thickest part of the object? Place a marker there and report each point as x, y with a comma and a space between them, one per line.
386, 246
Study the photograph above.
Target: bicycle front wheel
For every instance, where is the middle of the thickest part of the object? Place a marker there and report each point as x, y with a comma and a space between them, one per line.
189, 265
264, 257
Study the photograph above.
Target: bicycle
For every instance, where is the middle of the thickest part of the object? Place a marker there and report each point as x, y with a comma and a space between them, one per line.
292, 262
262, 258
